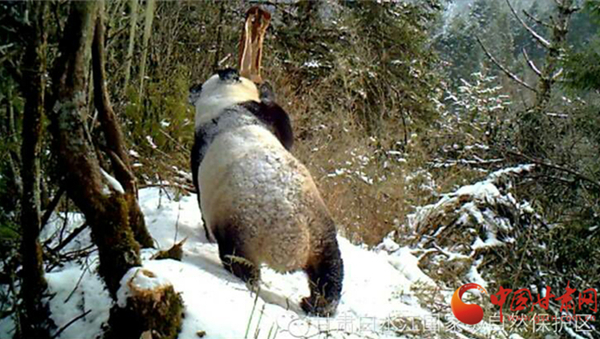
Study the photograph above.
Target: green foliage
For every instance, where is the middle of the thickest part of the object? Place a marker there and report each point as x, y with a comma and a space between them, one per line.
583, 68
395, 63
583, 65
164, 115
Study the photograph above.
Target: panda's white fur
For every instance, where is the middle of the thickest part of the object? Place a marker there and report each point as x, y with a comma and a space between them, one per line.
257, 200
245, 174
217, 95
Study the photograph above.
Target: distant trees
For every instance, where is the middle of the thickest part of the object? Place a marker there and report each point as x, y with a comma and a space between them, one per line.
397, 68
583, 67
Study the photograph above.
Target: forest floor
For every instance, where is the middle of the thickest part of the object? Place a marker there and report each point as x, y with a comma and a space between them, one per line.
385, 293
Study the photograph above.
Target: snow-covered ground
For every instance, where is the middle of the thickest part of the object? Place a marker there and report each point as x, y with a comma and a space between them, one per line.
376, 299
376, 293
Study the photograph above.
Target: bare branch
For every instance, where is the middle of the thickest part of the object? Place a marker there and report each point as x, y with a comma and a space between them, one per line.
60, 330
557, 167
531, 64
557, 74
536, 20
504, 69
558, 3
53, 204
538, 37
69, 238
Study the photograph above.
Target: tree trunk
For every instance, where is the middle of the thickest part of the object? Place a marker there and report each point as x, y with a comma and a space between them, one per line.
13, 158
554, 53
35, 322
149, 16
132, 29
534, 123
114, 138
105, 211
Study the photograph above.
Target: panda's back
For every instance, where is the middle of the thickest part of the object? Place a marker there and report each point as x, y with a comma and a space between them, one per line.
251, 182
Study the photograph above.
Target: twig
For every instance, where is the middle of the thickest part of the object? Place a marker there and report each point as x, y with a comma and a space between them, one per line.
76, 285
556, 167
252, 313
536, 20
84, 252
52, 206
69, 238
180, 186
557, 74
531, 64
177, 144
504, 69
177, 222
70, 323
538, 37
218, 43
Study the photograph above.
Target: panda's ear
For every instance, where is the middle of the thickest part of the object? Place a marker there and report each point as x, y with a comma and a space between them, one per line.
266, 93
194, 94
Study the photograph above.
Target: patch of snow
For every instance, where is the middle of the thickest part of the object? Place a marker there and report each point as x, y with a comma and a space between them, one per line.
511, 170
114, 183
76, 291
134, 154
475, 277
221, 305
138, 279
151, 142
408, 264
312, 64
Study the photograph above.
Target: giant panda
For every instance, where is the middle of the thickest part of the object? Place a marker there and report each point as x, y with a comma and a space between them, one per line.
257, 200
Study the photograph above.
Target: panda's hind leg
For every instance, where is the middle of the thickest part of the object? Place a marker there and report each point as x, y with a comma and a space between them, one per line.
235, 260
325, 274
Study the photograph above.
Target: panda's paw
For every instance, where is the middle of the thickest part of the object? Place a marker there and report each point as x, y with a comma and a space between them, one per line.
243, 269
318, 306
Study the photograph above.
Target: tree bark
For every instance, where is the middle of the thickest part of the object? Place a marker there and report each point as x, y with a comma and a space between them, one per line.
534, 124
105, 211
114, 138
132, 29
106, 208
149, 16
13, 158
35, 322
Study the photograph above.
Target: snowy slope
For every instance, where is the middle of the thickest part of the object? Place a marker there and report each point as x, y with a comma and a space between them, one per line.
221, 305
377, 286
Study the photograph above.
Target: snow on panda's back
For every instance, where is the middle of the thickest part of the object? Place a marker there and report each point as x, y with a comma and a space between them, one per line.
249, 177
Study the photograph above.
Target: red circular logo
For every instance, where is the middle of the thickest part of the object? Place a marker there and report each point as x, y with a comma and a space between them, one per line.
469, 314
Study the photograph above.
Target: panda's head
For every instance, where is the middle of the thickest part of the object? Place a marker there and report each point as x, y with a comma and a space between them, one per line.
222, 90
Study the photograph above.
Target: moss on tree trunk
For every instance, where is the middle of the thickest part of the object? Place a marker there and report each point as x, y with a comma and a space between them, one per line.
154, 312
35, 321
114, 217
116, 147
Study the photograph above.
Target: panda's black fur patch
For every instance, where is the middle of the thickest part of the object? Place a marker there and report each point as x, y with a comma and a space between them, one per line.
275, 118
